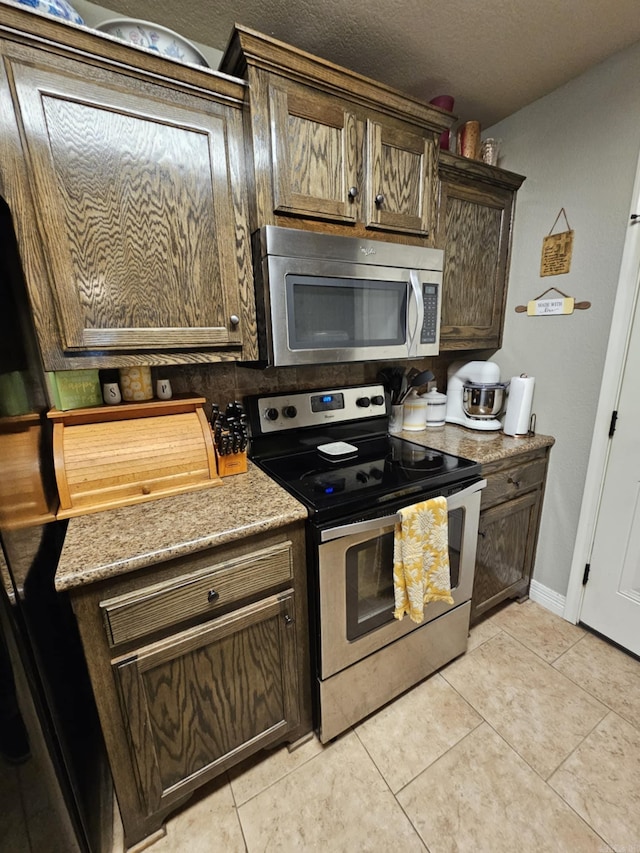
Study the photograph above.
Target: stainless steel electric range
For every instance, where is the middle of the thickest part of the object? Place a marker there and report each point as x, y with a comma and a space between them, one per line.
330, 448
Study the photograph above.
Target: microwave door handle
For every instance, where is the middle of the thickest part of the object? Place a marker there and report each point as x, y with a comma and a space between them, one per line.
416, 303
454, 502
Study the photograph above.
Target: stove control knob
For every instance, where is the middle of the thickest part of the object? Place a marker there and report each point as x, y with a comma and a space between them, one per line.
362, 477
378, 400
376, 473
271, 414
289, 411
363, 402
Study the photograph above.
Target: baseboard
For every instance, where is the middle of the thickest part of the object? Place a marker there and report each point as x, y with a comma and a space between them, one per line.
546, 597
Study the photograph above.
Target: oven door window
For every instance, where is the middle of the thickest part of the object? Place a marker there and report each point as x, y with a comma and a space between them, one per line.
369, 578
330, 313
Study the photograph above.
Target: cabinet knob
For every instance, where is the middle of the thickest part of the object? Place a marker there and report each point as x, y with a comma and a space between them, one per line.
379, 200
212, 596
288, 620
513, 482
146, 490
353, 192
481, 533
234, 319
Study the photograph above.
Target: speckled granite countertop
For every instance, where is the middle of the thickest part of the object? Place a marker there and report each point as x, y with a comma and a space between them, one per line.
106, 544
480, 446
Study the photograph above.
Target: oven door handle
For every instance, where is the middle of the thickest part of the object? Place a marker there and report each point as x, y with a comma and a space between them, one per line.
456, 501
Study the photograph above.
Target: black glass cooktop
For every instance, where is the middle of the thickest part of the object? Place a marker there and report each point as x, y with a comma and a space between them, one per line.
382, 470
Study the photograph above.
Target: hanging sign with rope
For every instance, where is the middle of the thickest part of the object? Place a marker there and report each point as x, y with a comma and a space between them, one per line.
557, 249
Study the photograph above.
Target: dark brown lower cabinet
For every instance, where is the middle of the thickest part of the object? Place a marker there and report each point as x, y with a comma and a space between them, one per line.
196, 664
194, 702
508, 532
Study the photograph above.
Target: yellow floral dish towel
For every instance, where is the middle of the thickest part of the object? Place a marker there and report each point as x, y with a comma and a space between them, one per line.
421, 558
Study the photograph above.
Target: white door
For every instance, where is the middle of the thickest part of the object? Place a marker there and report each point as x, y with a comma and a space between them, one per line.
611, 603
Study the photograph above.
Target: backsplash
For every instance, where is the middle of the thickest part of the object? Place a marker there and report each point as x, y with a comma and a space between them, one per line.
221, 383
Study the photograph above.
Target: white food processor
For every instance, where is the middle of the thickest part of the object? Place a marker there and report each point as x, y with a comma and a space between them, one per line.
475, 395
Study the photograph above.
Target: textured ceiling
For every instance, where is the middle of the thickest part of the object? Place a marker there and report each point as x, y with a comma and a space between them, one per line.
493, 56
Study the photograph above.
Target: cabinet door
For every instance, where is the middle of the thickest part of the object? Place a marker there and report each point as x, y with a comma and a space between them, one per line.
202, 700
475, 225
506, 547
134, 199
315, 152
401, 169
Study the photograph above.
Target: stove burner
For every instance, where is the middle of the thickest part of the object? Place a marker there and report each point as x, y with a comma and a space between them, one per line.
416, 457
382, 469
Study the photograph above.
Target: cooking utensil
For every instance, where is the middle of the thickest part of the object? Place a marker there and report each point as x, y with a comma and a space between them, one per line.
395, 382
420, 378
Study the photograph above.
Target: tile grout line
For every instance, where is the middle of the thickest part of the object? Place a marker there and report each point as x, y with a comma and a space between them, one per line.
395, 796
237, 811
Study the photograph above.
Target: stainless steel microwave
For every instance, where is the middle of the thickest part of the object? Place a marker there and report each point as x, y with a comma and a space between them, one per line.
324, 299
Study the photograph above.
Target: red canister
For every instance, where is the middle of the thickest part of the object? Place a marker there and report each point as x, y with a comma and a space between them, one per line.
445, 102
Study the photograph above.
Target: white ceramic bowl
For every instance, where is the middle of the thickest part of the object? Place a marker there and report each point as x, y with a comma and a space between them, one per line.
59, 8
153, 37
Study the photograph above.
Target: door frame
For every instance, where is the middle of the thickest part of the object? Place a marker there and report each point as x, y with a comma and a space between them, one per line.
627, 294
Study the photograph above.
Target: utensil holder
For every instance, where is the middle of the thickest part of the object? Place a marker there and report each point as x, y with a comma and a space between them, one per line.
232, 463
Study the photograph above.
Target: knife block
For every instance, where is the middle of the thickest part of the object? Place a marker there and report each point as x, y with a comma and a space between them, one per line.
232, 463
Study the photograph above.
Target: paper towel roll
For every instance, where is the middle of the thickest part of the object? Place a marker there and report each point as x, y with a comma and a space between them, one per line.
518, 415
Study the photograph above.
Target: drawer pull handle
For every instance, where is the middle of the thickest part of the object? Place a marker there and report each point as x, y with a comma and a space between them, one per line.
288, 620
212, 596
516, 483
481, 533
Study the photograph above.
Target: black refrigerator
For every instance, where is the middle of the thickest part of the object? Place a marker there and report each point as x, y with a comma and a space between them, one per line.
55, 788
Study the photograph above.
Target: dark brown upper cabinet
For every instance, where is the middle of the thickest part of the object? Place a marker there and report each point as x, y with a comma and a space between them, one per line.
335, 150
475, 217
134, 190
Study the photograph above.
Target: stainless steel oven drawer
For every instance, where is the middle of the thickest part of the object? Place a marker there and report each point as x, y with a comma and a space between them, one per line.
350, 695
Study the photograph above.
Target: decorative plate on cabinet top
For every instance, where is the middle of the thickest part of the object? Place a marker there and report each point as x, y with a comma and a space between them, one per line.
58, 8
153, 37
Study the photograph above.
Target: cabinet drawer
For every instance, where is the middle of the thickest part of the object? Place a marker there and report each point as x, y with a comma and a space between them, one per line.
513, 481
200, 593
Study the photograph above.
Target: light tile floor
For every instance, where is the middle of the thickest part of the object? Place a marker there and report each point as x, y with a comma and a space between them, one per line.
528, 742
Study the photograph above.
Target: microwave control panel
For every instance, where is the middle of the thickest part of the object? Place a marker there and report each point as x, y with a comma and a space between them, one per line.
429, 332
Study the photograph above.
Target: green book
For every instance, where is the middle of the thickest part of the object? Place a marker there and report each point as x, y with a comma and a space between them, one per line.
74, 389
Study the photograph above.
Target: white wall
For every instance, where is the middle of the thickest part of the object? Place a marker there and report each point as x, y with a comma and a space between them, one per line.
578, 148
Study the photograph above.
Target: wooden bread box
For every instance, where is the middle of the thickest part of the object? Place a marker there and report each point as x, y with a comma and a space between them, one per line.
111, 456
